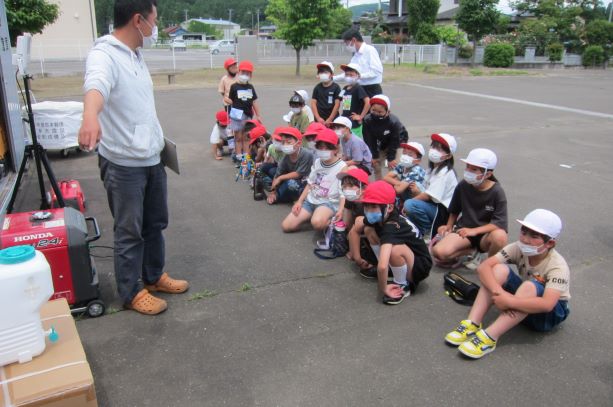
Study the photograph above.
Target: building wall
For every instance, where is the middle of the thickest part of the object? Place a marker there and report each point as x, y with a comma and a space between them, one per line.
445, 5
448, 5
72, 34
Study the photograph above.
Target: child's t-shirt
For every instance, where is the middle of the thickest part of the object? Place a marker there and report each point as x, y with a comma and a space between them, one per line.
243, 95
302, 165
300, 121
478, 208
325, 187
325, 96
552, 271
218, 134
274, 153
352, 101
440, 185
414, 173
355, 149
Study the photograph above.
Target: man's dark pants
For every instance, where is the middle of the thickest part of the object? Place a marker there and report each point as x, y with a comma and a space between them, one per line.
138, 201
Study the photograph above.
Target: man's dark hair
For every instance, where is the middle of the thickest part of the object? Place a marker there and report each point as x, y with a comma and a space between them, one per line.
352, 33
126, 9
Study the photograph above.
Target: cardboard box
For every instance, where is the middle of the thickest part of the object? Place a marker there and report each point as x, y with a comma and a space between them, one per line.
60, 376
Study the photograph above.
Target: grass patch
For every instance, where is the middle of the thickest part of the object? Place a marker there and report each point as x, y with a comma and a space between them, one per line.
112, 310
475, 72
245, 287
508, 72
202, 295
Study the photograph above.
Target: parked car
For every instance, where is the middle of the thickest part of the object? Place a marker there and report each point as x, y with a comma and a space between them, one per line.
223, 46
178, 44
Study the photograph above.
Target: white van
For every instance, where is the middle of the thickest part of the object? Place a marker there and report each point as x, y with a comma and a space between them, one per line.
223, 46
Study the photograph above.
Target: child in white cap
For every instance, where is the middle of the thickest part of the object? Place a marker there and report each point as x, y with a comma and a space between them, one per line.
408, 176
354, 100
537, 296
324, 101
477, 212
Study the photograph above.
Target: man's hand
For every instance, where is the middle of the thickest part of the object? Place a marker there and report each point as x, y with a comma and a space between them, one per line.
89, 133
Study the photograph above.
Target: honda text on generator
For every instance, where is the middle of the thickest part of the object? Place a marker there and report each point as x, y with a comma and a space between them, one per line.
61, 234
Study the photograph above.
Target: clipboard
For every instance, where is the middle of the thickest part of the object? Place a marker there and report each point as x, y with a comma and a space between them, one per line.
169, 155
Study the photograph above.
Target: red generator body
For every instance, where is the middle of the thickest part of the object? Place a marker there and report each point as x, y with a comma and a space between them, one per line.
71, 192
62, 235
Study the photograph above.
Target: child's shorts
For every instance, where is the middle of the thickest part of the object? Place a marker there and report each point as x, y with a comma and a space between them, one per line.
238, 125
421, 270
542, 322
310, 207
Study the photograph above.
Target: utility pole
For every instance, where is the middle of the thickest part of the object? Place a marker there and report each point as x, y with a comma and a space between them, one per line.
185, 11
230, 13
610, 10
258, 20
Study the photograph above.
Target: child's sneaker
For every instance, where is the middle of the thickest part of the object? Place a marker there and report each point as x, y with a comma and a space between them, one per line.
477, 347
406, 291
372, 274
462, 333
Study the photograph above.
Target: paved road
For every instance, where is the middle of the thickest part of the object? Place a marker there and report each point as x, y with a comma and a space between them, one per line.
312, 332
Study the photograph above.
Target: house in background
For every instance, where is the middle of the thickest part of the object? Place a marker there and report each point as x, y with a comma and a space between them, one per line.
397, 17
228, 28
71, 36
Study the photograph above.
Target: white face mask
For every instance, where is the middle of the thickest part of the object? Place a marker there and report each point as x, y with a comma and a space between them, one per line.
277, 145
473, 178
351, 48
350, 80
528, 250
287, 148
351, 194
296, 110
311, 145
406, 160
149, 41
339, 132
243, 78
435, 156
323, 154
324, 77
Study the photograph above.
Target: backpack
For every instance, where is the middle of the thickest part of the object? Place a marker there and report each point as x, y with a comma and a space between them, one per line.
338, 246
460, 289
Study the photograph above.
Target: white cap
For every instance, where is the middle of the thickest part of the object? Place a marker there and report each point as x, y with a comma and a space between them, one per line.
326, 63
446, 139
544, 222
352, 66
482, 158
413, 145
381, 99
303, 94
343, 121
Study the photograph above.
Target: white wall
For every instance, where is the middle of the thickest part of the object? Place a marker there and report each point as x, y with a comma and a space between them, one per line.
448, 5
72, 34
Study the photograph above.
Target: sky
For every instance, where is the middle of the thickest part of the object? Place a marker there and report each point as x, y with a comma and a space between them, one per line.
503, 5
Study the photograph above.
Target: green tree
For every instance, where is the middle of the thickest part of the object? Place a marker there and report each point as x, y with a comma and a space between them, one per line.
450, 35
300, 22
599, 32
29, 16
200, 27
426, 34
477, 18
104, 15
421, 12
340, 21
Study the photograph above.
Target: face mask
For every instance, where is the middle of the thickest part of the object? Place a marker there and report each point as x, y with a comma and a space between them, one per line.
472, 178
376, 116
278, 146
311, 145
350, 80
243, 78
287, 149
324, 77
435, 156
339, 132
406, 160
149, 41
351, 48
528, 250
296, 110
351, 194
374, 217
323, 154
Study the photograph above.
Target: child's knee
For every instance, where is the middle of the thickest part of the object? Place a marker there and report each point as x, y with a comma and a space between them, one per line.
499, 238
526, 289
501, 273
289, 225
319, 223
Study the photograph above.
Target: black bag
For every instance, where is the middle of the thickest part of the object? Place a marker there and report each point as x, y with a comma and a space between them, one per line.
339, 246
460, 289
258, 186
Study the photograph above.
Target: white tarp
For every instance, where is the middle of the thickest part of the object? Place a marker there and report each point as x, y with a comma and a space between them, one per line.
57, 124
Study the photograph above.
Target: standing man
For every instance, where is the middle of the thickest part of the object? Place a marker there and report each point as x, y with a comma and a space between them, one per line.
119, 112
367, 57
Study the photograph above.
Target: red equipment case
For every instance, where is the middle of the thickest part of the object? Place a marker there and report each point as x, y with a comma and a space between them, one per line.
61, 234
73, 195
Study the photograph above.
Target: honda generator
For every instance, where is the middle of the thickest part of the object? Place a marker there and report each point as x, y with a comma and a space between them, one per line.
73, 195
62, 235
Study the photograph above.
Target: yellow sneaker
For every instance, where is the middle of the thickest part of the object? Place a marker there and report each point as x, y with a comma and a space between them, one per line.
462, 333
479, 346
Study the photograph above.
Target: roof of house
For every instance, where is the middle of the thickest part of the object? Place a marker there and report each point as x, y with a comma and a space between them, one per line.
448, 15
211, 21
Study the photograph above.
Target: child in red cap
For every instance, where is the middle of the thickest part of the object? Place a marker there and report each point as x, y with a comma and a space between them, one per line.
244, 106
395, 241
219, 134
226, 81
321, 200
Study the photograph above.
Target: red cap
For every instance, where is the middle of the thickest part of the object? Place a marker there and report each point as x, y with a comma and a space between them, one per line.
229, 62
245, 66
379, 193
313, 129
327, 136
256, 133
290, 131
222, 117
356, 173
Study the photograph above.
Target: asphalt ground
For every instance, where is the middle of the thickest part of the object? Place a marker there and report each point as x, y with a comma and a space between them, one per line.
283, 328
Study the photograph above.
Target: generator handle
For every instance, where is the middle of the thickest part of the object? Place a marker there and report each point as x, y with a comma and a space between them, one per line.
96, 235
